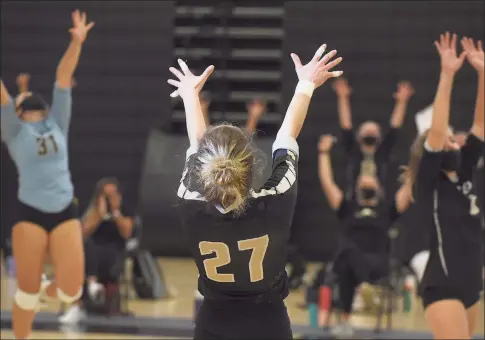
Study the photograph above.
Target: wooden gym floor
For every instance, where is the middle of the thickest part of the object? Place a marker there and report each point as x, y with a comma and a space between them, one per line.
181, 278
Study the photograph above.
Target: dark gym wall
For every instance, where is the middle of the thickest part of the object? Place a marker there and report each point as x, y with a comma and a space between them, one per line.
382, 42
121, 83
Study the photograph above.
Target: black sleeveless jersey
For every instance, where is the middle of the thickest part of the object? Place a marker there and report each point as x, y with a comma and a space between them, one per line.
243, 257
450, 214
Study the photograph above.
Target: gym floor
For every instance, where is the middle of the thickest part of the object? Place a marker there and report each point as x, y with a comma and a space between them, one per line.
181, 278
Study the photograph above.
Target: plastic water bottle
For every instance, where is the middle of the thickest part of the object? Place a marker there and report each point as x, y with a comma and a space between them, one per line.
325, 304
198, 299
11, 270
312, 306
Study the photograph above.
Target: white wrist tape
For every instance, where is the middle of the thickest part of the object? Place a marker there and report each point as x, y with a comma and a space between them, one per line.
305, 87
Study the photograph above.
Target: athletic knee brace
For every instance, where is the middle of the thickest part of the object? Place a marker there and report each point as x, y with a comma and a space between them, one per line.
26, 301
63, 297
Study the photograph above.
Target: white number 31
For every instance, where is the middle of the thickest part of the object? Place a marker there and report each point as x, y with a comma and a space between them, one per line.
474, 209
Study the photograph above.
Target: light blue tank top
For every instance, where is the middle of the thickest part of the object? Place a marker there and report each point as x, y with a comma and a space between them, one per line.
40, 153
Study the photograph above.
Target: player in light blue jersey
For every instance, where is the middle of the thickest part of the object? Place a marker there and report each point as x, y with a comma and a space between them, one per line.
47, 221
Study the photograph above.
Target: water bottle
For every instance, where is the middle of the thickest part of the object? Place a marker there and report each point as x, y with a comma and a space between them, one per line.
11, 271
198, 299
312, 306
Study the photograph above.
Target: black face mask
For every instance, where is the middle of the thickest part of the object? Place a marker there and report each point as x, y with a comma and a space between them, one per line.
368, 194
33, 103
369, 140
451, 161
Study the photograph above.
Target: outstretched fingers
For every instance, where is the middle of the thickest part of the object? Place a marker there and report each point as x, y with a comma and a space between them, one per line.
296, 60
327, 57
176, 73
335, 74
173, 82
453, 43
184, 67
332, 64
91, 25
319, 53
208, 71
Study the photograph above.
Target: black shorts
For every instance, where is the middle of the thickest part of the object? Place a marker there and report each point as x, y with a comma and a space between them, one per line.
48, 221
366, 267
434, 294
242, 320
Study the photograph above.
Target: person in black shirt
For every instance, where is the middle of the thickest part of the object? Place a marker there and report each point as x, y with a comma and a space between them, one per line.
442, 175
239, 236
107, 225
363, 254
369, 153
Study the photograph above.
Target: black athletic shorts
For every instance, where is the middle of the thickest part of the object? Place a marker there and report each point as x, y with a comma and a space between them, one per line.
242, 320
48, 221
432, 294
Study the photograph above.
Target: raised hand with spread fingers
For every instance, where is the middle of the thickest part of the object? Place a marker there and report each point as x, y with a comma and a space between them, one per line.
318, 69
187, 81
450, 61
188, 88
475, 55
80, 28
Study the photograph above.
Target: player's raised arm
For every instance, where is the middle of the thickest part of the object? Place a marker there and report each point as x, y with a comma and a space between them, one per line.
450, 64
188, 88
310, 76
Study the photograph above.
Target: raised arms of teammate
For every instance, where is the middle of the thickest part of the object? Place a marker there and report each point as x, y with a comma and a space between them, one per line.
23, 80
256, 109
61, 98
310, 76
5, 96
188, 88
402, 96
330, 188
67, 65
475, 57
343, 91
11, 124
450, 64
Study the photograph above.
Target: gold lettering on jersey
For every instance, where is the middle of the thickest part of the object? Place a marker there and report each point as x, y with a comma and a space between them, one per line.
366, 212
42, 147
223, 257
474, 209
258, 246
368, 166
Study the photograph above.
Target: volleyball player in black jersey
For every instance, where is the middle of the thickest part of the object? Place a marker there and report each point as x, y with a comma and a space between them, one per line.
238, 236
363, 252
442, 176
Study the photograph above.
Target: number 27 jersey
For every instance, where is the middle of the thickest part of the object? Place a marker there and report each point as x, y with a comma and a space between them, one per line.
239, 257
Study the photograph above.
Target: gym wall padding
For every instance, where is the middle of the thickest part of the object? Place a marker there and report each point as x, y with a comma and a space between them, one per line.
162, 171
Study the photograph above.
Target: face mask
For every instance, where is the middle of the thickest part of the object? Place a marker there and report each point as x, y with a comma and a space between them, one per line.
33, 103
451, 161
368, 194
369, 140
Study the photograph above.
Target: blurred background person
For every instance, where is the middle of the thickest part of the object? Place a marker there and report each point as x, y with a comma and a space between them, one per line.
367, 150
107, 226
363, 251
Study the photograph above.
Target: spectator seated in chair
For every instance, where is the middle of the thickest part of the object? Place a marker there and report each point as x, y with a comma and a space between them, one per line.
363, 251
107, 226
